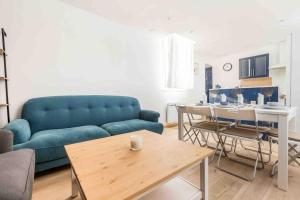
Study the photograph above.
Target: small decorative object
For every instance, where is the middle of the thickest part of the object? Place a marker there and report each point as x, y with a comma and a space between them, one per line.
136, 142
274, 104
283, 97
240, 99
260, 99
253, 102
227, 67
218, 86
223, 98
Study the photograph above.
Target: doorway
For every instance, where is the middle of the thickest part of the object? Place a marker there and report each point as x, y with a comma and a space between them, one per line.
208, 80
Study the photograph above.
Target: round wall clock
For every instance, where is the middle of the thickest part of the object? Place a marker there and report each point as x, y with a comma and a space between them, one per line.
227, 67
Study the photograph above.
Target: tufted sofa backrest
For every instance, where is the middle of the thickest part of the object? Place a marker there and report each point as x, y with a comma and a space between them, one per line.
70, 111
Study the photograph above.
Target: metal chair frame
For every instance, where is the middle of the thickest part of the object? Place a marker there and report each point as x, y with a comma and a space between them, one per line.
269, 154
293, 154
259, 157
187, 132
196, 131
202, 131
192, 133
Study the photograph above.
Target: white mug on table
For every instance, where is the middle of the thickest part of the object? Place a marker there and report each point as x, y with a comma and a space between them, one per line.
136, 142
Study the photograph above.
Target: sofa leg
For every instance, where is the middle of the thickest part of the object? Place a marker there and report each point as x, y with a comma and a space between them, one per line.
74, 184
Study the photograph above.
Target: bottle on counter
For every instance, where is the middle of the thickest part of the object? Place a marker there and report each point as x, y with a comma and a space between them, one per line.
240, 99
223, 98
260, 99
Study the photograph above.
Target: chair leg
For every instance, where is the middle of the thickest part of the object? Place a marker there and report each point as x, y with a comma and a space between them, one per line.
208, 134
255, 167
215, 151
270, 149
220, 155
258, 157
196, 138
203, 136
261, 156
259, 149
274, 168
293, 154
231, 173
223, 150
222, 143
292, 158
188, 134
234, 151
231, 145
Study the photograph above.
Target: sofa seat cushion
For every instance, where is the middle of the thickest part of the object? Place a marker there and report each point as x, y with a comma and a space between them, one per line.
49, 144
116, 128
17, 173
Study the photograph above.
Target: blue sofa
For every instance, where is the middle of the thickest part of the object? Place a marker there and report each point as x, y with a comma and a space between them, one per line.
49, 123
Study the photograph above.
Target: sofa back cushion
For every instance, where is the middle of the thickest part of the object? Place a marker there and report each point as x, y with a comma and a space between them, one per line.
70, 111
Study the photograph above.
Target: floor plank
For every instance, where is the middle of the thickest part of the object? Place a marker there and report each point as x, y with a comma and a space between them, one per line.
55, 184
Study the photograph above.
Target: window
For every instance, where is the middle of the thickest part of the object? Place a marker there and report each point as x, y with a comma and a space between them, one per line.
179, 72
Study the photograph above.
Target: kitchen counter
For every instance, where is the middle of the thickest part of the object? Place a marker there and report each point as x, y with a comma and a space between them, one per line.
249, 94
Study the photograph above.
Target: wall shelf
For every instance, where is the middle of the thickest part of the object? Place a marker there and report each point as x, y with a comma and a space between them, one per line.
3, 78
280, 66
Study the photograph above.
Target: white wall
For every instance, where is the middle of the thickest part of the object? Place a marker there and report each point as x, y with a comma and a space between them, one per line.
231, 78
56, 49
295, 74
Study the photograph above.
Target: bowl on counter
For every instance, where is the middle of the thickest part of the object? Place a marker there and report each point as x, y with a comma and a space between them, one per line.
274, 104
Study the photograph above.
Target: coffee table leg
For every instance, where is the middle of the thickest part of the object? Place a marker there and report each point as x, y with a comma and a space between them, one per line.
74, 184
204, 178
180, 124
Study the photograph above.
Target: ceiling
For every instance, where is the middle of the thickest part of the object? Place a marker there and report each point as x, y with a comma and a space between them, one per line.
219, 27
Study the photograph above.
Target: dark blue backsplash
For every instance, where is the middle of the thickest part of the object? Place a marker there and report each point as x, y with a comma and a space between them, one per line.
249, 94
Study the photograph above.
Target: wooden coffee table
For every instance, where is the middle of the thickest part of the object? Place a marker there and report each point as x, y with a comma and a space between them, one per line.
107, 169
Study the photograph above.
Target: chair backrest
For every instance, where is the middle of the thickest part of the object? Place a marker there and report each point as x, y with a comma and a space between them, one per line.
199, 110
70, 111
235, 113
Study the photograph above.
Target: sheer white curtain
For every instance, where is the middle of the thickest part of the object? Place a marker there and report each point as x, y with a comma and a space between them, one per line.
179, 72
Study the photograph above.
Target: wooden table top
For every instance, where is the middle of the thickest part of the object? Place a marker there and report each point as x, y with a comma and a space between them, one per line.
107, 169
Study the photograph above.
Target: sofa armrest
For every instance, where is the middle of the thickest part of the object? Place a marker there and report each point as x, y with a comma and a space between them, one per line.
149, 115
20, 129
6, 141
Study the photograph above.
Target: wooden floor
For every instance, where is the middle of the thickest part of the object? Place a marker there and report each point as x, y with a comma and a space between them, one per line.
55, 184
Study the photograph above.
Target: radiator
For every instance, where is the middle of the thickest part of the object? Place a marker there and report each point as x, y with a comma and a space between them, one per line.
171, 113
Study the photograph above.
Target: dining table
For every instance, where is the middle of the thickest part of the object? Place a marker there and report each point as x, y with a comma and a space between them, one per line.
285, 117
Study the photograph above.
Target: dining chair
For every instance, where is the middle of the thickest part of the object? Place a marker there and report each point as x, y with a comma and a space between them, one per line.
293, 152
206, 127
185, 127
261, 129
240, 133
196, 128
